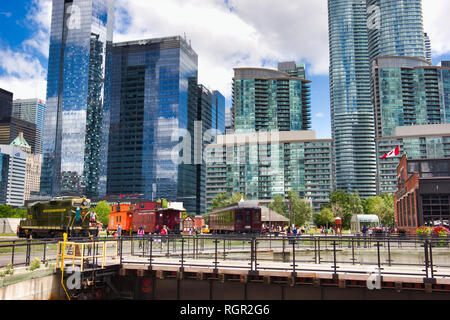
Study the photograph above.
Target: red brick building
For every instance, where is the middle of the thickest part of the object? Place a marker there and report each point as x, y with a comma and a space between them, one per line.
423, 193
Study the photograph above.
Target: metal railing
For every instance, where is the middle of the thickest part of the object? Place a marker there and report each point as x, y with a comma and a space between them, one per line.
423, 257
428, 258
21, 252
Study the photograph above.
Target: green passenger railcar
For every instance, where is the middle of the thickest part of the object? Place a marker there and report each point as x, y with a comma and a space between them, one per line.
50, 219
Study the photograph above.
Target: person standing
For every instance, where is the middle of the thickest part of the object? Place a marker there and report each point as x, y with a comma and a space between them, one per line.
119, 231
141, 234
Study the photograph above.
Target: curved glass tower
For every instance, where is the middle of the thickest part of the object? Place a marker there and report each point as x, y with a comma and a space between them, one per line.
77, 110
395, 28
352, 112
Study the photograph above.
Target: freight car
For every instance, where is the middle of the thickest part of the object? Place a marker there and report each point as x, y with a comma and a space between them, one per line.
147, 214
242, 217
50, 219
121, 214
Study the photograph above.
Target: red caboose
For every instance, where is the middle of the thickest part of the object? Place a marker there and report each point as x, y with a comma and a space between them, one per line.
145, 216
171, 218
121, 214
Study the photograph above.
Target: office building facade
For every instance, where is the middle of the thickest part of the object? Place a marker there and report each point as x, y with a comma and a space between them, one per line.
154, 109
409, 91
262, 165
412, 104
76, 122
6, 99
33, 167
352, 111
423, 193
417, 142
12, 175
270, 100
33, 111
11, 127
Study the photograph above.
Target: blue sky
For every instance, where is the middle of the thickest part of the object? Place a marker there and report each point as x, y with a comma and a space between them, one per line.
224, 38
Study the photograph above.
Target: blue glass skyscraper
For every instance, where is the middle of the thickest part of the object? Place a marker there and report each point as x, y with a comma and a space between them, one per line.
154, 107
76, 122
352, 111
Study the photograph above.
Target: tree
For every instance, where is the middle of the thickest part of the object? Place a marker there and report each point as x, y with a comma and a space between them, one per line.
103, 209
222, 200
219, 202
324, 218
300, 210
345, 205
278, 205
164, 203
381, 206
9, 212
236, 197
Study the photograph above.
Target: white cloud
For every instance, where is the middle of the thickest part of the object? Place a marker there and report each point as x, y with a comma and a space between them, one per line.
24, 75
437, 24
320, 115
252, 33
23, 72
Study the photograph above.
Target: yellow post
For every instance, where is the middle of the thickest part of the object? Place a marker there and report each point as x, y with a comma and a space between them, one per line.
62, 263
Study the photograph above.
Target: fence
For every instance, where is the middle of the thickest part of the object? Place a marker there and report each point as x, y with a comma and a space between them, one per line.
414, 256
423, 257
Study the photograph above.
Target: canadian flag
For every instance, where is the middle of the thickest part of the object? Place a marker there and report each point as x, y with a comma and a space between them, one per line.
392, 154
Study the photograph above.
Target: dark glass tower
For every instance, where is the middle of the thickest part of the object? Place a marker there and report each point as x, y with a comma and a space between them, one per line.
6, 100
154, 109
76, 123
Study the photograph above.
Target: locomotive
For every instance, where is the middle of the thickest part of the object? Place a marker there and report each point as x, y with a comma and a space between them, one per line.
242, 217
51, 219
147, 214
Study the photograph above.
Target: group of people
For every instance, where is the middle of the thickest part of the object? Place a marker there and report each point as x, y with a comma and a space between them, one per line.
328, 230
277, 229
369, 231
141, 232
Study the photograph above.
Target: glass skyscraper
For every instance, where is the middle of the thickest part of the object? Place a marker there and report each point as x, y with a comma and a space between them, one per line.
395, 28
409, 93
154, 109
270, 100
76, 122
352, 112
262, 165
6, 100
31, 110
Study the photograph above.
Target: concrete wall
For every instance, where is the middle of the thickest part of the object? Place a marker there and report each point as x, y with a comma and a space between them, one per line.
39, 285
9, 225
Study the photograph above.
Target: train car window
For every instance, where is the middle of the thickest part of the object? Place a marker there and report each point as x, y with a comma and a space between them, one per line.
248, 217
118, 208
256, 216
131, 208
142, 206
239, 217
120, 218
151, 219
